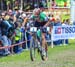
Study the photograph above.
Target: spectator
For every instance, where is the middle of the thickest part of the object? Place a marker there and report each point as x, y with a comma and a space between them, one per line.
58, 23
18, 48
65, 23
5, 26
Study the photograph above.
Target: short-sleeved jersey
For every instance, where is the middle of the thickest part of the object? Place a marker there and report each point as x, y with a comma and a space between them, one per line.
43, 19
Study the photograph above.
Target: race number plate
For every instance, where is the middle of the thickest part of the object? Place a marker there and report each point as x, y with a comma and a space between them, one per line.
33, 29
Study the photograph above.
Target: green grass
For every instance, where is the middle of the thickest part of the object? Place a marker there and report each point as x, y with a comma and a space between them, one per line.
59, 56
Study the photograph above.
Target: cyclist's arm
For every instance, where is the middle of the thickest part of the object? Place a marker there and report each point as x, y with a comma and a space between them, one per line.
47, 24
24, 22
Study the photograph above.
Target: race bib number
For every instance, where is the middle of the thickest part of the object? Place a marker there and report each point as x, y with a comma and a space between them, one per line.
33, 29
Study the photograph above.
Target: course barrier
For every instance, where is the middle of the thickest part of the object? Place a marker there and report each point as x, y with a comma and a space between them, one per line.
57, 32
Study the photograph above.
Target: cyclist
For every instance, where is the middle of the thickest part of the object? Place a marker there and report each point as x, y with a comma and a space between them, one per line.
40, 20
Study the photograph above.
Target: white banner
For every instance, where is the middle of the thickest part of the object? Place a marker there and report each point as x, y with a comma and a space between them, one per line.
72, 11
63, 32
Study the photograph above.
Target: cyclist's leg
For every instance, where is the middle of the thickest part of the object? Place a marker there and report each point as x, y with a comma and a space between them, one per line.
44, 46
43, 40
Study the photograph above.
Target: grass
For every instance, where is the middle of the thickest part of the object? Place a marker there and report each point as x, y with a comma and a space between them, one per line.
59, 56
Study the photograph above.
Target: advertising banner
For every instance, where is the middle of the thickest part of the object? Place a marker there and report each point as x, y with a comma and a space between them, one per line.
63, 32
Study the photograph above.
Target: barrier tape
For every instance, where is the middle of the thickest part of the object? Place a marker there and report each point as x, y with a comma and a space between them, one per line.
4, 47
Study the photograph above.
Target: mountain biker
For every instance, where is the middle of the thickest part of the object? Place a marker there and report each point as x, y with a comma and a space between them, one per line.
40, 20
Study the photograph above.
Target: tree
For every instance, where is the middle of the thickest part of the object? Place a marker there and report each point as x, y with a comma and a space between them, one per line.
10, 4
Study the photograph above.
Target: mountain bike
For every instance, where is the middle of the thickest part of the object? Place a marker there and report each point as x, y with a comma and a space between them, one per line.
36, 44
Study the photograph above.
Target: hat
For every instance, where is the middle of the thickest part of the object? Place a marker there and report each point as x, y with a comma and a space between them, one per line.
16, 8
23, 15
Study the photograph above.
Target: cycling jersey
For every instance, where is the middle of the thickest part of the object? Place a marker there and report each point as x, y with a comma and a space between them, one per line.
43, 20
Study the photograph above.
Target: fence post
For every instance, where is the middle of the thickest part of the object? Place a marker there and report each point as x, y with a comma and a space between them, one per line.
12, 48
26, 41
64, 42
52, 39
